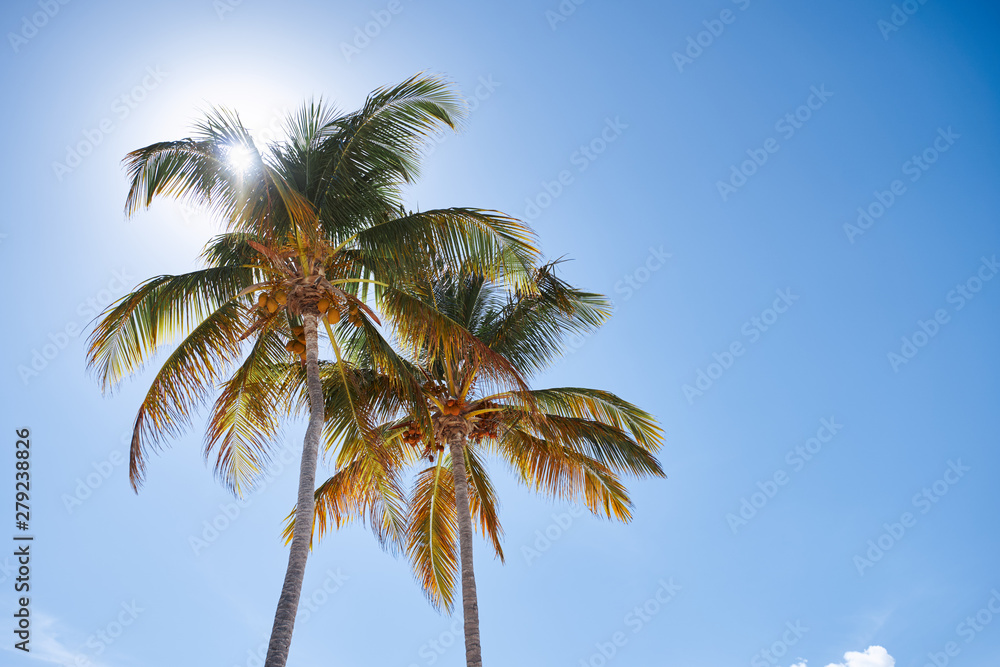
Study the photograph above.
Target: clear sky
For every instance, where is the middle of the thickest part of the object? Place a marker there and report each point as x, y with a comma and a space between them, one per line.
826, 376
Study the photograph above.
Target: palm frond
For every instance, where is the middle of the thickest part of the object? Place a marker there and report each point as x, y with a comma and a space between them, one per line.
433, 534
431, 335
487, 242
604, 407
156, 313
367, 488
183, 383
483, 501
246, 418
532, 328
560, 472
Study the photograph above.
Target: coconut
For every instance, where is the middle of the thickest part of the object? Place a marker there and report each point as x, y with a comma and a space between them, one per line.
298, 331
299, 347
290, 345
323, 305
272, 306
262, 300
281, 298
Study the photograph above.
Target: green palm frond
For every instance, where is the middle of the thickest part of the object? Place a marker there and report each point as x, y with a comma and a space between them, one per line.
603, 407
531, 329
183, 383
156, 313
491, 243
365, 156
246, 418
610, 446
432, 335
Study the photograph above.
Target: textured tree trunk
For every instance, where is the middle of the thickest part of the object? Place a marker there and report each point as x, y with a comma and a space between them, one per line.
288, 603
470, 603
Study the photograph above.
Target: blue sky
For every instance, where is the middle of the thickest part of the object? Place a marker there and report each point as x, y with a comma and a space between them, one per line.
702, 163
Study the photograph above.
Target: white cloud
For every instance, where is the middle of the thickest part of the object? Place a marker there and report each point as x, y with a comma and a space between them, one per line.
875, 656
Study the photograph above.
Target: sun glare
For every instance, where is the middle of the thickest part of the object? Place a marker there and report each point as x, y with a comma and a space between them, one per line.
240, 158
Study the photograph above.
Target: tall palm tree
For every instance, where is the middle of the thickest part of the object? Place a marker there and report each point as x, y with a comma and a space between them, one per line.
312, 222
570, 443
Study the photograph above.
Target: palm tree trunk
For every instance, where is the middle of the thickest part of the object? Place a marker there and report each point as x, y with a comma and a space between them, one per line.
470, 603
288, 603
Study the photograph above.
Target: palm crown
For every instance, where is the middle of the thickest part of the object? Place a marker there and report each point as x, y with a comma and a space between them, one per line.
568, 443
314, 222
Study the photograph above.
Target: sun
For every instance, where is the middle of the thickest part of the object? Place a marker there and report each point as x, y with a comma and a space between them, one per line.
240, 158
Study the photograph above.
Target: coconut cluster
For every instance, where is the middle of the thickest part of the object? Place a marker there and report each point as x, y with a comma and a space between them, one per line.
298, 344
272, 302
413, 437
313, 295
487, 426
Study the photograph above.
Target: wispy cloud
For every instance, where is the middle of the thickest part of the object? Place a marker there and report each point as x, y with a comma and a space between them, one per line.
48, 647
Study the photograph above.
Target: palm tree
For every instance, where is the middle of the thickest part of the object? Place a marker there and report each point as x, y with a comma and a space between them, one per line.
312, 222
570, 443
